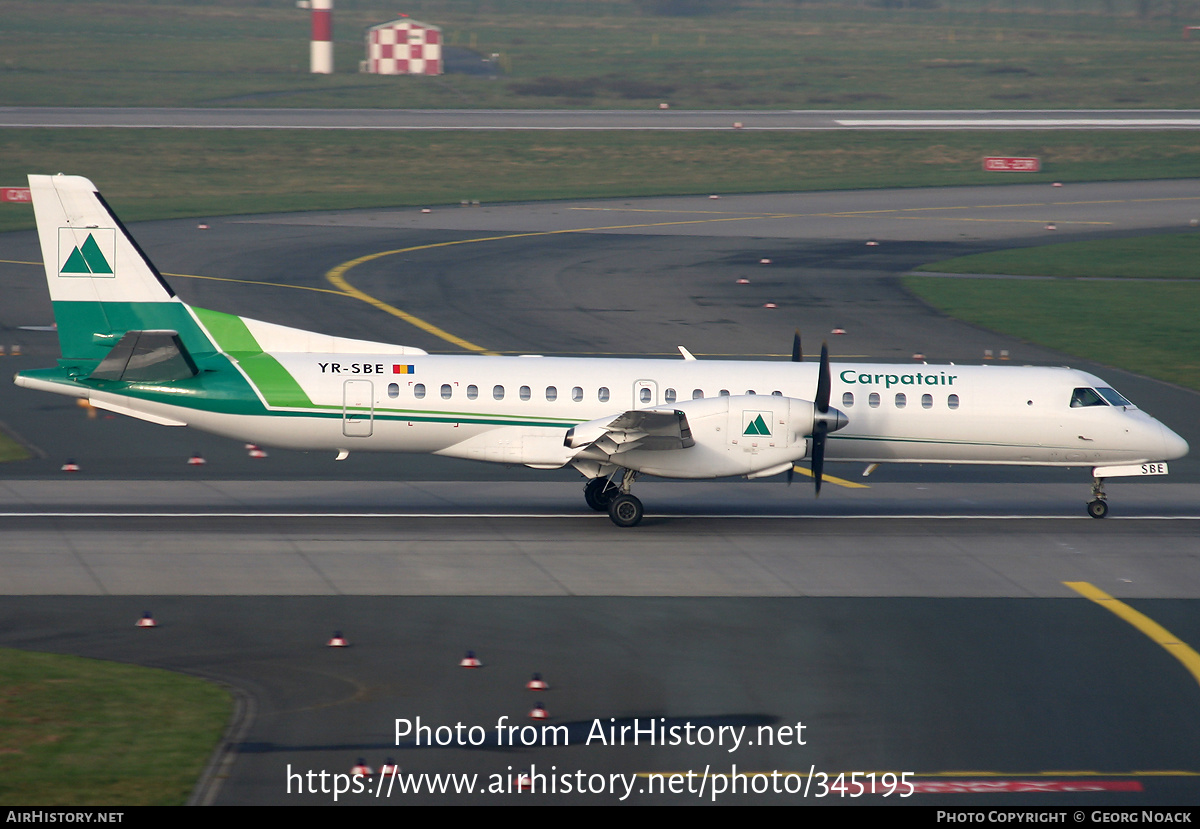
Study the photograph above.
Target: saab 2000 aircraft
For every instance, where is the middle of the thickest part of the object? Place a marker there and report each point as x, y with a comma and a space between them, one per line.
129, 345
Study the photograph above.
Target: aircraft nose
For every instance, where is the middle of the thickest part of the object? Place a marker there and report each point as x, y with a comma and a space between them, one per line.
1173, 445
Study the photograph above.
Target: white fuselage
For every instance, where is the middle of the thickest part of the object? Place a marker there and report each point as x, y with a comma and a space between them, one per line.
518, 409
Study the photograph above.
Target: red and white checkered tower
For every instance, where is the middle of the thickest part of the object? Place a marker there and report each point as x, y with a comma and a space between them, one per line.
322, 37
404, 47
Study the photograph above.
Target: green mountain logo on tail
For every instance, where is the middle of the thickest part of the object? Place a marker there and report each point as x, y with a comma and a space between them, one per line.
94, 257
755, 423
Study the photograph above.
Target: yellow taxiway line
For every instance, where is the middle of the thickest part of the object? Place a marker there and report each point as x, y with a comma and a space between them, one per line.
337, 276
1171, 643
833, 480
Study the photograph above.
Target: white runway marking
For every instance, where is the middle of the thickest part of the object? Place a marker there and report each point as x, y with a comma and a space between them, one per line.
596, 515
1020, 123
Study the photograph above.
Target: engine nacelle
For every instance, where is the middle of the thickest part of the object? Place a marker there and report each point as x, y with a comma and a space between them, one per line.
737, 435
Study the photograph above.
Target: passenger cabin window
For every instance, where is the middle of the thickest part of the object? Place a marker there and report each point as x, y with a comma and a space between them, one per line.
777, 393
697, 394
952, 401
498, 392
644, 395
577, 394
750, 392
602, 394
419, 391
393, 390
526, 393
1081, 398
447, 391
551, 393
723, 392
873, 400
472, 392
927, 401
901, 400
848, 399
669, 395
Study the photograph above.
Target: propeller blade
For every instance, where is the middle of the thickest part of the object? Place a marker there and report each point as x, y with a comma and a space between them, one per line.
820, 424
818, 454
797, 357
824, 381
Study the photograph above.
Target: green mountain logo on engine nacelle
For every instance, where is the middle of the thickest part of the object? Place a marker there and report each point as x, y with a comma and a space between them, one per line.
756, 424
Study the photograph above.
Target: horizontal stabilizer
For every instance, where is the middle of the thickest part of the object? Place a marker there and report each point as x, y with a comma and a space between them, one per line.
147, 357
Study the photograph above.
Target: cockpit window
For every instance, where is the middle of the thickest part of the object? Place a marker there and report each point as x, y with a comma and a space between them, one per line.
1113, 397
1086, 397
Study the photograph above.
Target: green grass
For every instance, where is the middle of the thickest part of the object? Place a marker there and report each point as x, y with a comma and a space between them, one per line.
1150, 328
11, 450
611, 53
148, 174
79, 732
1167, 256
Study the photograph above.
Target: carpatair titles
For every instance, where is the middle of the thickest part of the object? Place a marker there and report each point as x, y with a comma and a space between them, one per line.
916, 378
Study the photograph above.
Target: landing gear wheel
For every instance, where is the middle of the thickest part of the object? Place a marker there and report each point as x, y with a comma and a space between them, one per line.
625, 511
599, 493
1097, 508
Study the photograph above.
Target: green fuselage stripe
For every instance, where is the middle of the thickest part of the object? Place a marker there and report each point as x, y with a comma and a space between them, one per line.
272, 380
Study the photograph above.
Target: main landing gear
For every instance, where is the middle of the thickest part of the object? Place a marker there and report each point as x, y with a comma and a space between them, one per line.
623, 508
1098, 506
599, 493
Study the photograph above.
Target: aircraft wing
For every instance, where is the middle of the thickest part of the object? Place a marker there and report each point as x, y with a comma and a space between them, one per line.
637, 429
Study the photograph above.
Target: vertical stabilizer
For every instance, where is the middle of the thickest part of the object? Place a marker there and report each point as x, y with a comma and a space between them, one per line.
101, 283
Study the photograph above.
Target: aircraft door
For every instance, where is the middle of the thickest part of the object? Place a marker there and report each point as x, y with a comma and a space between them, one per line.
358, 408
645, 393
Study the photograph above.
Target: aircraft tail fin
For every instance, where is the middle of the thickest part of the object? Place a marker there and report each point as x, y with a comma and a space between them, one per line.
114, 309
102, 284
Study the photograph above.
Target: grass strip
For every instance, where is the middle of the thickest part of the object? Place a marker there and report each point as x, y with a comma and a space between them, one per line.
11, 450
695, 54
81, 732
1147, 328
1164, 256
158, 174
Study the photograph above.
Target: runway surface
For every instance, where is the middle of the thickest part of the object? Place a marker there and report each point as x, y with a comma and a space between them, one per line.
495, 119
936, 622
505, 538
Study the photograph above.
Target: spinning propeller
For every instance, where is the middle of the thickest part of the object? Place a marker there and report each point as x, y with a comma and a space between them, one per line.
825, 419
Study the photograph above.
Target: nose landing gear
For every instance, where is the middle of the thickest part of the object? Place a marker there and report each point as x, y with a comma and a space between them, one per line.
1098, 506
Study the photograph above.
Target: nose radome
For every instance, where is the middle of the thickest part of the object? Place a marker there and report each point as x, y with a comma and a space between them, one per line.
1173, 445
